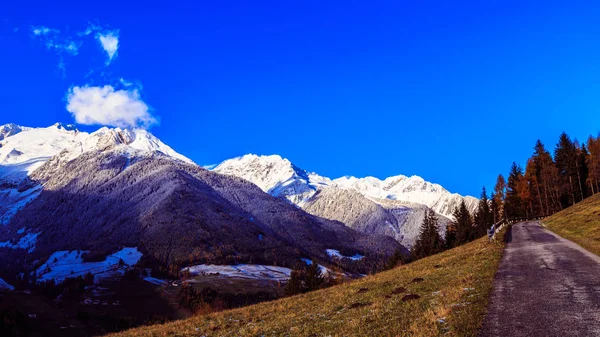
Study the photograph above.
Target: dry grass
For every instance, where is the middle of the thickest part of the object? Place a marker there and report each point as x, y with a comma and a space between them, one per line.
452, 299
579, 223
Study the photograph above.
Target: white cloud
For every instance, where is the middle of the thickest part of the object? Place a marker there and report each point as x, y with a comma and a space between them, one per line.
42, 30
125, 82
53, 40
110, 43
63, 46
105, 106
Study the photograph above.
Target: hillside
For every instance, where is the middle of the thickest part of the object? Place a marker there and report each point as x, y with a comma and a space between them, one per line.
452, 287
579, 223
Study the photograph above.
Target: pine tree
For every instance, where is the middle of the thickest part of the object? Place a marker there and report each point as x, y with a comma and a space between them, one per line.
498, 199
565, 156
484, 218
450, 237
513, 206
294, 284
464, 224
535, 203
429, 241
547, 178
314, 277
583, 170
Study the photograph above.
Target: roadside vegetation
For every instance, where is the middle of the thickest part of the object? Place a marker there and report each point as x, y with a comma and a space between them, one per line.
579, 223
444, 294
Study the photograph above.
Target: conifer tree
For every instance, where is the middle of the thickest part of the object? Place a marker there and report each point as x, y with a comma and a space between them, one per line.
484, 218
294, 284
548, 178
513, 205
565, 156
450, 237
464, 224
314, 277
535, 202
582, 170
429, 241
498, 199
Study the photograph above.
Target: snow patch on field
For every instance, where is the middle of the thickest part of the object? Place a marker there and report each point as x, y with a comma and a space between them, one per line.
63, 264
250, 271
156, 281
5, 286
336, 253
26, 242
307, 261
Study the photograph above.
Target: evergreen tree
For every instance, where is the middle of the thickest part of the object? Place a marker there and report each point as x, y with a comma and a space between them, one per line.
294, 284
582, 170
565, 156
513, 206
450, 237
314, 277
429, 241
547, 175
464, 224
484, 218
534, 199
498, 199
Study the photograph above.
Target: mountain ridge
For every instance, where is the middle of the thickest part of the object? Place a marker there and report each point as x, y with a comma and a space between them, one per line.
394, 206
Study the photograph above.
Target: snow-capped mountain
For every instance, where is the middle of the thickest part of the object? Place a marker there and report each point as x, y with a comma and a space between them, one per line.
394, 206
279, 177
408, 189
275, 175
24, 149
63, 190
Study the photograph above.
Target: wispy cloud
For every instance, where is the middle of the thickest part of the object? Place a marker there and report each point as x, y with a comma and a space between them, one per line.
108, 39
107, 106
64, 44
53, 40
110, 44
43, 30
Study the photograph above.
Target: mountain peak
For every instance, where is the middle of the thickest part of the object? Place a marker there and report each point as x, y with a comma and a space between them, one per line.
65, 127
26, 149
280, 177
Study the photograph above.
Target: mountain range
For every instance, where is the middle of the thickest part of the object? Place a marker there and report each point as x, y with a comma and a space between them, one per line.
63, 190
394, 206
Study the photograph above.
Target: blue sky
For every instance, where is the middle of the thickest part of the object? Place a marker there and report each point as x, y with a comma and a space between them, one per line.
450, 91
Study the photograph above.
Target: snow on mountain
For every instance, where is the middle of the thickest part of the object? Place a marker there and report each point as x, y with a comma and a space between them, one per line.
23, 150
407, 189
279, 177
274, 175
394, 206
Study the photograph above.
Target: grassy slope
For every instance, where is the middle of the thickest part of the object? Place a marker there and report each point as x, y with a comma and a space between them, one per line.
453, 298
579, 223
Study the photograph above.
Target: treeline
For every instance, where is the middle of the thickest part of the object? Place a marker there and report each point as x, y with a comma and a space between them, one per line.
466, 227
550, 182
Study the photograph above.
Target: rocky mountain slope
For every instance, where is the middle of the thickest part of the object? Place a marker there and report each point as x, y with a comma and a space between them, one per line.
100, 192
394, 206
